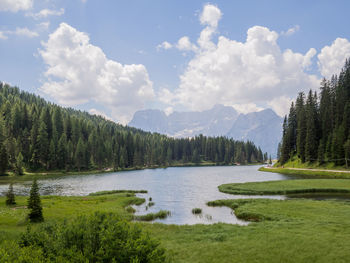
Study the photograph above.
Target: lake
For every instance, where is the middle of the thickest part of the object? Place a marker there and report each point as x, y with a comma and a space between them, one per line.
176, 189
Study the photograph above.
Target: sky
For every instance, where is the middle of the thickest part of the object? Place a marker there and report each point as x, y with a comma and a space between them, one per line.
113, 58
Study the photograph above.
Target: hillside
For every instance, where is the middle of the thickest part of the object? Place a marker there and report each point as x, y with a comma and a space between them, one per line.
37, 135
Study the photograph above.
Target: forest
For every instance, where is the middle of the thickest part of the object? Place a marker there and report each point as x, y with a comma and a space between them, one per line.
36, 135
317, 128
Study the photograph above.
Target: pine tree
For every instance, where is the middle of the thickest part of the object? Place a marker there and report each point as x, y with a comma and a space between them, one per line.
3, 160
301, 126
311, 145
34, 204
43, 143
80, 154
10, 196
19, 164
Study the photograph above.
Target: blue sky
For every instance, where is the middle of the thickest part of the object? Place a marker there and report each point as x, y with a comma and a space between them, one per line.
247, 75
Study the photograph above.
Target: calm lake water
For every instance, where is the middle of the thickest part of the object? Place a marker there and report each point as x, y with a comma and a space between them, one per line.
178, 189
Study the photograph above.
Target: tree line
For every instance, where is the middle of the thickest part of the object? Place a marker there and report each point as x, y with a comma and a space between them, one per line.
38, 135
317, 128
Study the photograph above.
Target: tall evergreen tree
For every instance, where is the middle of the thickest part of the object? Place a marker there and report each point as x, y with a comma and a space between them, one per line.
34, 204
10, 196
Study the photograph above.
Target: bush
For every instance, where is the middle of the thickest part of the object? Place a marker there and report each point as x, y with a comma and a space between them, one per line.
196, 211
97, 238
34, 204
10, 196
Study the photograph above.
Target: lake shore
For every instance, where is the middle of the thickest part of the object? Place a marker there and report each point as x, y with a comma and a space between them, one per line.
308, 172
28, 176
287, 187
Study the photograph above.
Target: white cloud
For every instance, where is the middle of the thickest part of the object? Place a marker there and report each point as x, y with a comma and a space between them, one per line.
281, 105
291, 31
45, 13
169, 110
332, 58
165, 45
94, 111
3, 35
25, 32
79, 72
247, 108
43, 26
15, 5
210, 15
185, 44
242, 74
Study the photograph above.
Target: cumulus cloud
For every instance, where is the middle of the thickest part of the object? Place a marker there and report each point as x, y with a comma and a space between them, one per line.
185, 44
281, 105
94, 111
79, 72
25, 32
20, 31
210, 15
3, 35
15, 5
332, 58
291, 31
241, 74
165, 45
45, 13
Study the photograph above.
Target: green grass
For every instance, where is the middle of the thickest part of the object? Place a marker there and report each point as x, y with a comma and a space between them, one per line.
117, 191
307, 173
162, 214
287, 231
196, 211
14, 220
288, 187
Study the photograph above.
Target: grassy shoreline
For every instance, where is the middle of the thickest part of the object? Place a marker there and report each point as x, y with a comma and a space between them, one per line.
286, 187
28, 176
307, 172
281, 231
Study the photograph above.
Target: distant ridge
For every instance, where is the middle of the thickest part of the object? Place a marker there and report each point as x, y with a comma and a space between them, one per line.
264, 128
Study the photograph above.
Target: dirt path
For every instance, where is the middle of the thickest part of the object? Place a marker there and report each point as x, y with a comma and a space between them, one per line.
309, 169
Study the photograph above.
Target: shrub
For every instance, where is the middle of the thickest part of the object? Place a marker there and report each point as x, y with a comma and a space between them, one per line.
34, 204
96, 238
10, 196
196, 211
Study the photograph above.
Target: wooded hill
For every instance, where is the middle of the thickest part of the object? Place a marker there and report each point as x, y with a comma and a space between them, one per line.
317, 128
38, 135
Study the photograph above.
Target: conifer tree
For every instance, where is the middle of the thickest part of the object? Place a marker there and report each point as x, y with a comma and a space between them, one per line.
19, 164
10, 196
34, 204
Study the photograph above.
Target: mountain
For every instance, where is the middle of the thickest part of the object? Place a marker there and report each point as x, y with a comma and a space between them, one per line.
264, 128
213, 122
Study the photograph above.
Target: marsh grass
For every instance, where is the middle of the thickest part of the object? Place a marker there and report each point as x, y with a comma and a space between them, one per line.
162, 214
286, 187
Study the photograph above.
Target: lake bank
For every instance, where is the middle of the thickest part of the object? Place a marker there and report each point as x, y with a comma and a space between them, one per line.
29, 176
287, 187
281, 230
308, 172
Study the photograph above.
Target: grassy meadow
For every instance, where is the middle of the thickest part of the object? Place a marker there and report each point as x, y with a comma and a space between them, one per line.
280, 231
